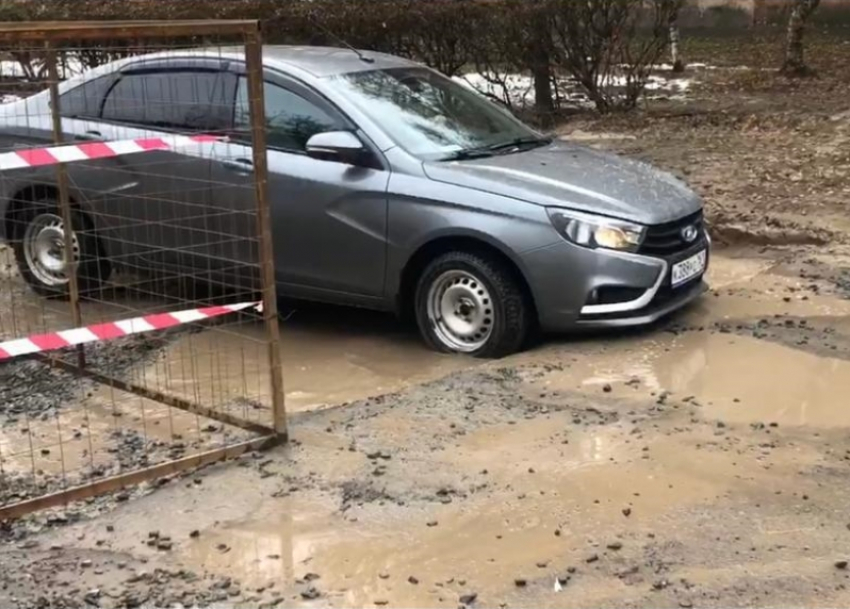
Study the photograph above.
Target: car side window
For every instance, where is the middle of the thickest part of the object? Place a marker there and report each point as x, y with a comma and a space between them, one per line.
291, 119
172, 99
86, 100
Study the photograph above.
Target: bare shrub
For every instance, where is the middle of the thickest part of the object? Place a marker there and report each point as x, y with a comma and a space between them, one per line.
610, 46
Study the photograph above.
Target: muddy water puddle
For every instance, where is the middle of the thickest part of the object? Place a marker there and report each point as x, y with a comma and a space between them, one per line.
733, 378
505, 532
325, 363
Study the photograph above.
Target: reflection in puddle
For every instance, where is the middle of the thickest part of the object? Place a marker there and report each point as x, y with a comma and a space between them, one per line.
734, 378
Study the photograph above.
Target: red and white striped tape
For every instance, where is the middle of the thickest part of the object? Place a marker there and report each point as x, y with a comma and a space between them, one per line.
89, 151
108, 331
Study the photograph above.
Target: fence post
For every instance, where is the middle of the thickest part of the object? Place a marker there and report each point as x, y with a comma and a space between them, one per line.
254, 65
64, 198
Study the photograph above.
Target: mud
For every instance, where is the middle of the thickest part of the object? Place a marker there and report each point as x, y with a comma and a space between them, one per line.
698, 463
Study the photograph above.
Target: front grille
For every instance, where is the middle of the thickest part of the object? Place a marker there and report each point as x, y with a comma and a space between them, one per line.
666, 239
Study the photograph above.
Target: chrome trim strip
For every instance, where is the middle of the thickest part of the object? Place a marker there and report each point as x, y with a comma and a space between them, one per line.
632, 305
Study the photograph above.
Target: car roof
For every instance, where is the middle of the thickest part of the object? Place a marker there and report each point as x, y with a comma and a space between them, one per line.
330, 61
315, 60
319, 62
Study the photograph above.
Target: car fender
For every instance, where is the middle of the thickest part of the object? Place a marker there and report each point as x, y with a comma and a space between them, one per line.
507, 225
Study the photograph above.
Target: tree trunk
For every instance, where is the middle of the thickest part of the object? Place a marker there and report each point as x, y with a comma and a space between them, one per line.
759, 13
795, 64
543, 105
678, 64
541, 70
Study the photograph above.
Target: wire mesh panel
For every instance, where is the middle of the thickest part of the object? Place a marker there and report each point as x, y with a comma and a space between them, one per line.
135, 253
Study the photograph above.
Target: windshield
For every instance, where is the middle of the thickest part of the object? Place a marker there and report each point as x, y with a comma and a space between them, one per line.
429, 115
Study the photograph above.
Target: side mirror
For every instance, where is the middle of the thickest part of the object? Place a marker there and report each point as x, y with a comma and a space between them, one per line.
339, 146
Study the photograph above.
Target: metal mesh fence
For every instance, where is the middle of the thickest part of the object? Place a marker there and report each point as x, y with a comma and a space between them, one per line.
144, 140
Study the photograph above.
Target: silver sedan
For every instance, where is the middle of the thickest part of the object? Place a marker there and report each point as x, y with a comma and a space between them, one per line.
392, 187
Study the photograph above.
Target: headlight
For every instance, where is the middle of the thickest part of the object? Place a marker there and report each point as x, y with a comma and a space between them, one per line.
594, 231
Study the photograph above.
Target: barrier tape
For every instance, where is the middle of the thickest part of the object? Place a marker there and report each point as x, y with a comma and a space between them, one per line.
89, 151
40, 343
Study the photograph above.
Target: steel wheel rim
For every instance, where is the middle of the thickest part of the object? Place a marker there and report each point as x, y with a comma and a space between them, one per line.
460, 310
44, 250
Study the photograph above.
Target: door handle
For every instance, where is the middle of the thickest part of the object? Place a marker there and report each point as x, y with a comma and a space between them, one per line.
242, 166
89, 136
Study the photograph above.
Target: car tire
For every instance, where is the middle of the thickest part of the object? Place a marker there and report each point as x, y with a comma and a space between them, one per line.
472, 303
38, 243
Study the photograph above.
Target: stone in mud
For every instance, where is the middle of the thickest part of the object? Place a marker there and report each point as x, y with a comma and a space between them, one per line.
310, 593
195, 534
841, 564
607, 388
468, 599
92, 597
615, 545
627, 512
413, 580
592, 558
520, 583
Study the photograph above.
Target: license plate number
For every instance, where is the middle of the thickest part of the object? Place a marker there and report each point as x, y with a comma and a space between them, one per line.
688, 269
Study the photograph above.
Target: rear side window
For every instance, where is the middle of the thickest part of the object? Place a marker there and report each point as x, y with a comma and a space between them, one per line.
291, 119
86, 100
176, 99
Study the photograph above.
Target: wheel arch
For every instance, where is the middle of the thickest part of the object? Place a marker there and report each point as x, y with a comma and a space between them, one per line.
31, 193
473, 243
20, 199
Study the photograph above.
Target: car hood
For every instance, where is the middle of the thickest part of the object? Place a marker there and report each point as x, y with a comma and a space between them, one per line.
579, 178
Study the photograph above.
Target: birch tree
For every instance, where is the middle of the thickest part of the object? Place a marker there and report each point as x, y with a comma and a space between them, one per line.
675, 58
795, 64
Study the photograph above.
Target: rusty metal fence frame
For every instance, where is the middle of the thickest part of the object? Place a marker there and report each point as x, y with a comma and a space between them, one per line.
49, 34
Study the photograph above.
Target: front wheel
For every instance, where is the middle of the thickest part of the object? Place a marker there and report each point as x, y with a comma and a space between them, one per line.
39, 245
472, 303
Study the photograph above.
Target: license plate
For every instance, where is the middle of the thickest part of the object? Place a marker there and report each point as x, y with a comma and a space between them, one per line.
688, 269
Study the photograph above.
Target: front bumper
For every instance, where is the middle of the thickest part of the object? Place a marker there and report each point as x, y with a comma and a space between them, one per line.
565, 278
662, 305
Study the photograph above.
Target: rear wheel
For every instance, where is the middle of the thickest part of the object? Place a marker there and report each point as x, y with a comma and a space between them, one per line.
472, 303
39, 245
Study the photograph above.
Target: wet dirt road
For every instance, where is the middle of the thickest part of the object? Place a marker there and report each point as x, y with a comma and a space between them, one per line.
701, 463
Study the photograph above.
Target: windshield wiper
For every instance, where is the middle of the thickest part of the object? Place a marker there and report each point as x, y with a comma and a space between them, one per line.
520, 142
494, 149
469, 153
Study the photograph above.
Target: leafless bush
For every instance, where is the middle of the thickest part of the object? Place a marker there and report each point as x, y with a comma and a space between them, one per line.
610, 46
606, 46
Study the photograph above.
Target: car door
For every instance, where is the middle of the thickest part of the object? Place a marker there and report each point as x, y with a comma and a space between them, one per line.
329, 219
163, 213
